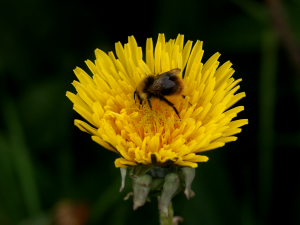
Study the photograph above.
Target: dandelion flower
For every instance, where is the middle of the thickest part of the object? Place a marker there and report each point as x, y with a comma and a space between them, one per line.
158, 137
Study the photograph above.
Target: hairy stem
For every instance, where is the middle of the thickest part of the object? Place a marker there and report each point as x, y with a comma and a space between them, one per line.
162, 218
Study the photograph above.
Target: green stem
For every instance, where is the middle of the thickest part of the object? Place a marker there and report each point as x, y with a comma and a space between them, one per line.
162, 218
266, 130
21, 158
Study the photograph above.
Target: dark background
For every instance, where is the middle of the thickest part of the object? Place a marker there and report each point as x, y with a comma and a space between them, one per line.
49, 167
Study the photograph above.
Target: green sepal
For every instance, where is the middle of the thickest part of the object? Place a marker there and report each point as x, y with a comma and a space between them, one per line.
141, 187
137, 171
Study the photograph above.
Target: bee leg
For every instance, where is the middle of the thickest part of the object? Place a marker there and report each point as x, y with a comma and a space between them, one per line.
148, 99
136, 93
170, 104
184, 98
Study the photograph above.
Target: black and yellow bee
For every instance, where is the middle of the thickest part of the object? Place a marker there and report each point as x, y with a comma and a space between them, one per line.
164, 84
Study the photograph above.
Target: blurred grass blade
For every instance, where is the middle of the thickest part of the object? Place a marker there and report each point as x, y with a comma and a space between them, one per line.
10, 196
123, 210
107, 199
266, 131
21, 158
253, 8
65, 165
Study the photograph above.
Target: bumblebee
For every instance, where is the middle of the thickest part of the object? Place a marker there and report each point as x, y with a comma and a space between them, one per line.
164, 84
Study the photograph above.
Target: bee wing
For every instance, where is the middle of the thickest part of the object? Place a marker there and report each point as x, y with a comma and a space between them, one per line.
161, 83
174, 71
170, 73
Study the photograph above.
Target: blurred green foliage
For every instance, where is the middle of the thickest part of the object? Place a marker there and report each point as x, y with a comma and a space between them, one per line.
46, 162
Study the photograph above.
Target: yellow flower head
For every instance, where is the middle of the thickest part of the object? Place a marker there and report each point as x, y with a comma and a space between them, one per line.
158, 136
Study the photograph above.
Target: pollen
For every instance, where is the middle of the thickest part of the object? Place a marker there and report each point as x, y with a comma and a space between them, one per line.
158, 136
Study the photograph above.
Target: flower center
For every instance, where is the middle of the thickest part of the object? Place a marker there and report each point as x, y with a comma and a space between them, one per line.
150, 122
